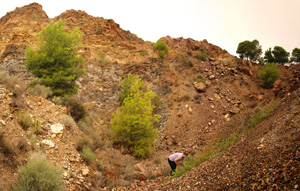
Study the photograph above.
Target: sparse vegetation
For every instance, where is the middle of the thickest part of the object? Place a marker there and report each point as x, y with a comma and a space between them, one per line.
35, 17
40, 90
39, 174
75, 108
88, 155
202, 56
12, 83
55, 61
224, 144
7, 149
144, 53
161, 48
68, 121
132, 124
101, 57
24, 119
269, 75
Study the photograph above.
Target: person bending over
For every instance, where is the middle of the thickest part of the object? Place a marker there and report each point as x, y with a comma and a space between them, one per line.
173, 160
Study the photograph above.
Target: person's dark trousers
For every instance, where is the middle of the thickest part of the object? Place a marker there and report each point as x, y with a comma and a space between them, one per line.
172, 165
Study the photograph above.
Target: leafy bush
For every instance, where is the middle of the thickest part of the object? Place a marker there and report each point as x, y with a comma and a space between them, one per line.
126, 85
88, 155
12, 83
67, 120
75, 108
24, 119
40, 90
132, 124
55, 61
6, 147
269, 75
161, 48
39, 175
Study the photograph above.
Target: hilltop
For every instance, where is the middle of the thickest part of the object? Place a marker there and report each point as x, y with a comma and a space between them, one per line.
204, 100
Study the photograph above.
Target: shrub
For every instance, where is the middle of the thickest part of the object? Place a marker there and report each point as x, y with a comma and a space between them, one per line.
202, 56
269, 75
57, 100
88, 155
36, 127
67, 120
35, 17
161, 48
101, 56
75, 108
12, 83
40, 90
39, 175
144, 53
126, 85
24, 119
132, 124
6, 147
56, 61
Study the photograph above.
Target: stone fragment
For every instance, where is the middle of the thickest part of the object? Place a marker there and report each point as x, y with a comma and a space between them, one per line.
200, 87
85, 171
57, 128
48, 142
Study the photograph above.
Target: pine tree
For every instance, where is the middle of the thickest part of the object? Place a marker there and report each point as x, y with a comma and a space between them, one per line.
132, 124
55, 60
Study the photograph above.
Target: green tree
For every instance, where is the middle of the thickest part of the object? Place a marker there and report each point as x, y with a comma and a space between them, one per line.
161, 47
55, 61
295, 55
278, 55
269, 75
249, 50
132, 123
268, 56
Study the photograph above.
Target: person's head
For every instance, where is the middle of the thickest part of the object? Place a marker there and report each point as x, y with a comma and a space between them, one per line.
185, 153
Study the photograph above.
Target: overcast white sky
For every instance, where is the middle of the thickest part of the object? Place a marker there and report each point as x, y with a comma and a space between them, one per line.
224, 23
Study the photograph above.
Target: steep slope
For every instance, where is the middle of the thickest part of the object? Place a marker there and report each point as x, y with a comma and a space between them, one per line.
201, 97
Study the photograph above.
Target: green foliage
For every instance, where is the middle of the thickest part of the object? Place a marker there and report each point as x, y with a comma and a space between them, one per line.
269, 75
126, 85
132, 124
88, 155
75, 108
144, 53
295, 55
249, 50
12, 83
202, 56
55, 61
35, 17
101, 56
277, 55
40, 90
40, 175
161, 48
24, 119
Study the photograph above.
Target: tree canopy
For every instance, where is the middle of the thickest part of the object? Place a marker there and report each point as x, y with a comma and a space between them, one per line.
278, 55
295, 55
55, 60
161, 47
249, 50
132, 123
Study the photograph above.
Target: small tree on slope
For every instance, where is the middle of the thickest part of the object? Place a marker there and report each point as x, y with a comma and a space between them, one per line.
132, 124
55, 61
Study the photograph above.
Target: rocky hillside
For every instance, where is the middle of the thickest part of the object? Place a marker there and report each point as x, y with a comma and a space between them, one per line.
204, 100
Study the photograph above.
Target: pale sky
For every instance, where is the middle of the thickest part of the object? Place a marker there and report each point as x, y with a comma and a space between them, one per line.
224, 23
